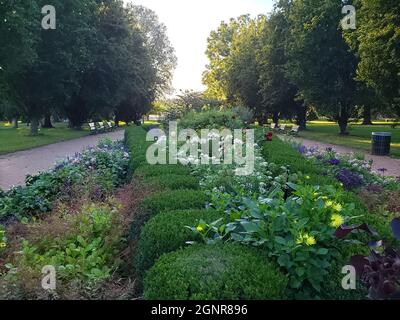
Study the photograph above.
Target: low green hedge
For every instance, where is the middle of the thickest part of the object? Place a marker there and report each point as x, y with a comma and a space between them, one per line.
214, 272
148, 170
167, 232
135, 140
174, 182
167, 201
281, 153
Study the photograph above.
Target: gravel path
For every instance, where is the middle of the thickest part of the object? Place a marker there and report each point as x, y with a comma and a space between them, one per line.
392, 165
15, 166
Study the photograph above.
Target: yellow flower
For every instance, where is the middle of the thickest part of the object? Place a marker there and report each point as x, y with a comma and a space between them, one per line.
338, 207
306, 239
310, 241
2, 244
329, 204
200, 229
336, 220
299, 240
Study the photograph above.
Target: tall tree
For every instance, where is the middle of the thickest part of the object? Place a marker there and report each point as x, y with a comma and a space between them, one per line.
162, 54
320, 63
280, 96
377, 43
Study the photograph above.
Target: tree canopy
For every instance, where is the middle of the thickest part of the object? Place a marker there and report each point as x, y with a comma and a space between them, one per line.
103, 60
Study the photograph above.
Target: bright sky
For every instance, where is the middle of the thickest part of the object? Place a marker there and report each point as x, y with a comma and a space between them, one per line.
190, 22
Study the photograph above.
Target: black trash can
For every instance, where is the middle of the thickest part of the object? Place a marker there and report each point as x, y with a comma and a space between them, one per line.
381, 143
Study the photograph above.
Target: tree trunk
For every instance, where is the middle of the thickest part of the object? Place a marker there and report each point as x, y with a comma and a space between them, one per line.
367, 116
47, 121
34, 126
15, 123
343, 121
262, 120
275, 118
302, 117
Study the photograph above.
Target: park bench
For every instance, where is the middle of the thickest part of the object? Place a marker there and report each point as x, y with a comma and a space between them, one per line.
101, 127
110, 126
282, 128
107, 126
295, 130
92, 127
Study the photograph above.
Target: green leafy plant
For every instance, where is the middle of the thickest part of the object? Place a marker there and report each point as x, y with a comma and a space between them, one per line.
298, 233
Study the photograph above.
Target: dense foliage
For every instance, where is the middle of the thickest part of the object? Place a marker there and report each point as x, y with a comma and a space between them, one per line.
233, 272
299, 59
96, 170
115, 66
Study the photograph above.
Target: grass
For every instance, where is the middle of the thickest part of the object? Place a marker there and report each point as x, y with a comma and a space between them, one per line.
359, 137
12, 140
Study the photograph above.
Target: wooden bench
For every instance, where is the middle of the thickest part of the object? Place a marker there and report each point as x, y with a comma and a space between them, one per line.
92, 127
295, 130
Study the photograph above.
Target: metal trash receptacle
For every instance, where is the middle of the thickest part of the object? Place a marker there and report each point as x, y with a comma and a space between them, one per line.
381, 143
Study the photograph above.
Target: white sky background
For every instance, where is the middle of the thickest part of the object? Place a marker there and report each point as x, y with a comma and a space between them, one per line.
189, 24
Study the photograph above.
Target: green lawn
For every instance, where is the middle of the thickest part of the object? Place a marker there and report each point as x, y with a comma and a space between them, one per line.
18, 139
359, 138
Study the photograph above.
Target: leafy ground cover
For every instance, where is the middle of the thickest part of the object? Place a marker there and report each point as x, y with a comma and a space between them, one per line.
70, 218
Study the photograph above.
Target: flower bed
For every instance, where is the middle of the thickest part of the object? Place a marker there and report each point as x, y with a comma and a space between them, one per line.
80, 236
95, 171
291, 209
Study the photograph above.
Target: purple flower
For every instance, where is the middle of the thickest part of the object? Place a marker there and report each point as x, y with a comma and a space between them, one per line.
349, 179
302, 149
334, 162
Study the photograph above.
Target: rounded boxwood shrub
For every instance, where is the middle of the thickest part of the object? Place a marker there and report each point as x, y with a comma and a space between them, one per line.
148, 170
167, 201
174, 182
167, 232
214, 272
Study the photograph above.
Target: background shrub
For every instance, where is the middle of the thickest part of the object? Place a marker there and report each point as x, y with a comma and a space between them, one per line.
214, 272
211, 119
167, 232
167, 201
174, 182
148, 170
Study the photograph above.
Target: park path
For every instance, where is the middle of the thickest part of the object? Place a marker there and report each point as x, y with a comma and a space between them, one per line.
15, 166
379, 162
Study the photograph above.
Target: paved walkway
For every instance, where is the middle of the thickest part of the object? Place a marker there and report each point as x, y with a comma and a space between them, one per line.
15, 166
392, 165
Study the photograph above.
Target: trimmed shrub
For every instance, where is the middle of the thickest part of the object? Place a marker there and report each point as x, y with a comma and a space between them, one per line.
214, 272
174, 182
211, 119
135, 140
167, 201
148, 170
167, 232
